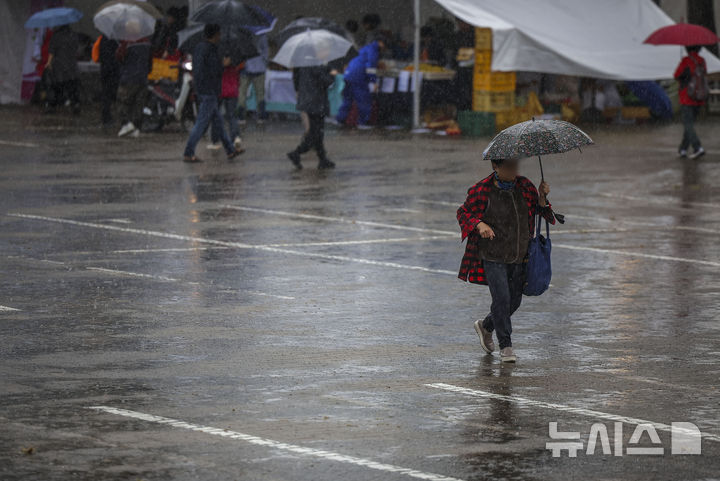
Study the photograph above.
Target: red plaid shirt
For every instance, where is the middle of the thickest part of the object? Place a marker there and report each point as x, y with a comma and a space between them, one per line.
471, 213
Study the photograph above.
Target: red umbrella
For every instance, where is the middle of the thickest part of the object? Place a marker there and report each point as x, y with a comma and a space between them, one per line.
682, 34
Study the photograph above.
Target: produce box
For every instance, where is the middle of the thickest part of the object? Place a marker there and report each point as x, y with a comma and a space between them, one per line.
494, 81
476, 124
486, 101
483, 38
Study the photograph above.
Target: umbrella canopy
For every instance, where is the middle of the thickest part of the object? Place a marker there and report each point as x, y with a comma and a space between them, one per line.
536, 138
682, 34
235, 43
126, 19
235, 13
311, 49
54, 17
309, 23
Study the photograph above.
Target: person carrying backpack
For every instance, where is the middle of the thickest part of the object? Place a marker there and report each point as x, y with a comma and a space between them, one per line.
692, 76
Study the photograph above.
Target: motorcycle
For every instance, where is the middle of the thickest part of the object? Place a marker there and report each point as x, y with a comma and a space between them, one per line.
170, 100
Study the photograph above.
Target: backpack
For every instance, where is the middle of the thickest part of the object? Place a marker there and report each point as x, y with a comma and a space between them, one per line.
698, 88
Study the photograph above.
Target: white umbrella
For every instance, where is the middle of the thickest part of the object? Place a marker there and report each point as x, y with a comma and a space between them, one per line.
125, 20
311, 49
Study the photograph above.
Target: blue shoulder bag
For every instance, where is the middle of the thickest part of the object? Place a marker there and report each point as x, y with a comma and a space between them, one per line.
539, 270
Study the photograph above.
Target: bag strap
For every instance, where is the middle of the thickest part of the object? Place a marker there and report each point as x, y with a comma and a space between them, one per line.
539, 226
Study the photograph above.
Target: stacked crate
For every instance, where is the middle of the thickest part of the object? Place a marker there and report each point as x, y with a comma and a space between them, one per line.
492, 91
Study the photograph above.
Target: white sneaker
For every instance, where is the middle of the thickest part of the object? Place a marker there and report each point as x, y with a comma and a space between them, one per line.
126, 129
364, 127
237, 142
215, 146
682, 153
507, 355
135, 134
698, 153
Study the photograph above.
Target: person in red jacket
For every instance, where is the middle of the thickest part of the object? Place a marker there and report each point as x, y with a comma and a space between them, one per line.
693, 93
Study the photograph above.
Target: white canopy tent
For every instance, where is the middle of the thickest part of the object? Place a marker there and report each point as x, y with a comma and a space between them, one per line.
589, 38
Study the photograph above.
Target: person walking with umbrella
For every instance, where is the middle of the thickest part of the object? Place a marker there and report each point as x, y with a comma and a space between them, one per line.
135, 61
498, 219
311, 85
691, 74
208, 70
308, 54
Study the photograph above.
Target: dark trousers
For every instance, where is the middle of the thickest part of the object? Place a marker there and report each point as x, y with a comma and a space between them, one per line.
229, 104
506, 283
208, 115
132, 100
108, 96
314, 136
67, 90
688, 114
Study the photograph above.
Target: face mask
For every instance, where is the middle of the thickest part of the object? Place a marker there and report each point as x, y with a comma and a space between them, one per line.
503, 184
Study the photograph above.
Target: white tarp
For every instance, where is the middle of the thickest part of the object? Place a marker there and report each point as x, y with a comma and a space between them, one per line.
588, 38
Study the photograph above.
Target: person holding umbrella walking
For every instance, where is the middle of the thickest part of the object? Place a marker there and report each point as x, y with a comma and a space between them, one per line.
691, 73
308, 54
208, 70
498, 219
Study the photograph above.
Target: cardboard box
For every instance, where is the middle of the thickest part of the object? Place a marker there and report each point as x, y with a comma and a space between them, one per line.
486, 101
494, 81
483, 38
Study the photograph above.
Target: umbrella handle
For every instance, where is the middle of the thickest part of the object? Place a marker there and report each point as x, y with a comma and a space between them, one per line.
560, 218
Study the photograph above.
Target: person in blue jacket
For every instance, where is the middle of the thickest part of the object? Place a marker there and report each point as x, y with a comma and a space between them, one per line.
357, 80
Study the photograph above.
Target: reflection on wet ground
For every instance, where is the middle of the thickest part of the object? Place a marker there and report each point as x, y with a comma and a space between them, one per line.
315, 309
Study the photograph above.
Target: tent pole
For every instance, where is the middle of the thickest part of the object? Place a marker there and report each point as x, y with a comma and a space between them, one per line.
416, 68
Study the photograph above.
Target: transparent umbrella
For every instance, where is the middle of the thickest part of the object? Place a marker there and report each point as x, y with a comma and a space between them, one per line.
126, 19
311, 49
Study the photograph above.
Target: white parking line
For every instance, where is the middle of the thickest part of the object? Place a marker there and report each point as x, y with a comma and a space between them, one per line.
268, 248
134, 274
344, 220
172, 279
395, 226
619, 222
565, 408
238, 245
360, 242
8, 309
18, 144
270, 443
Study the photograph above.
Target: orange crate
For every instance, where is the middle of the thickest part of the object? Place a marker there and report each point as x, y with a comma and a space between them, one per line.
483, 38
494, 81
164, 69
483, 61
486, 101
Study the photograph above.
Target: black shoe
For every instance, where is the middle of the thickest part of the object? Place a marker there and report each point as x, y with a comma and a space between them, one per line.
326, 164
295, 159
191, 160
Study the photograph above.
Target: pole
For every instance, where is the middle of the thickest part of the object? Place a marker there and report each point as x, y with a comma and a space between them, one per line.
416, 68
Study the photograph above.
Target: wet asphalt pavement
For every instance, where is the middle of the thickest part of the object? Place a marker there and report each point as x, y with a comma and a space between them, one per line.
315, 318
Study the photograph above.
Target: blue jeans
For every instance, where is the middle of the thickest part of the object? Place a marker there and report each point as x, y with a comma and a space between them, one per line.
360, 93
208, 114
688, 114
506, 283
229, 104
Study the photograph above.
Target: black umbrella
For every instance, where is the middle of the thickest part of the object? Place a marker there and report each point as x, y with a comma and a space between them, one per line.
309, 23
235, 43
232, 13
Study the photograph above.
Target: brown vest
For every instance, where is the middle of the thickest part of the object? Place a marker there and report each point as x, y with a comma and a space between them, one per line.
507, 214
